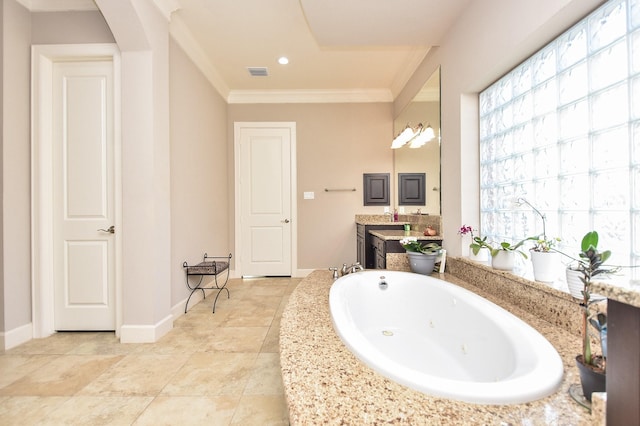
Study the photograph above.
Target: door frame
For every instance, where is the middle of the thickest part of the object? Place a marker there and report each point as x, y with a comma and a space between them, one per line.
42, 225
291, 125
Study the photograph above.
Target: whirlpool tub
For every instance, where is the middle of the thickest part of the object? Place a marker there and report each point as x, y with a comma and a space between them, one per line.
441, 339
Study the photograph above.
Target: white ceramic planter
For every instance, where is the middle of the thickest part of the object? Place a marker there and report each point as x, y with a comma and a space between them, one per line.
545, 265
503, 260
482, 256
575, 283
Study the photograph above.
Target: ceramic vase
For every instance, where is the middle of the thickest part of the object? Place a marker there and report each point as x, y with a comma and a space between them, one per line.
575, 283
503, 260
482, 256
545, 265
421, 263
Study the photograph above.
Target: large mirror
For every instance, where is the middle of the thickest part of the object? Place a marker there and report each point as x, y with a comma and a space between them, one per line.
425, 109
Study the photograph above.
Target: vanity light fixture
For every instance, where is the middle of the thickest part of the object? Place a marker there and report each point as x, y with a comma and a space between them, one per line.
414, 137
425, 135
405, 136
283, 60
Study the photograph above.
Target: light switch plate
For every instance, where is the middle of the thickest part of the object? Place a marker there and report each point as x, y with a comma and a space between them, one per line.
309, 195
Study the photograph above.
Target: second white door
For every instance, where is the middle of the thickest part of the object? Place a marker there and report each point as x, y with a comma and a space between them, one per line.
265, 198
83, 191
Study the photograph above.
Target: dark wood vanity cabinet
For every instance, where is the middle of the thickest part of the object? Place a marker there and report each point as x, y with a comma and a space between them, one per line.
367, 255
379, 248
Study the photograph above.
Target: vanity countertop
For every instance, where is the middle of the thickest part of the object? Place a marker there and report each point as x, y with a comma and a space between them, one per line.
397, 235
326, 384
624, 292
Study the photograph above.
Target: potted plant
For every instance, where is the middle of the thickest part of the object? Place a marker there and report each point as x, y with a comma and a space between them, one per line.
422, 257
591, 264
544, 258
502, 254
477, 252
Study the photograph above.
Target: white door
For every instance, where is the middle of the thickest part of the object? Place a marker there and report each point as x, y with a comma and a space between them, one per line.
83, 195
265, 198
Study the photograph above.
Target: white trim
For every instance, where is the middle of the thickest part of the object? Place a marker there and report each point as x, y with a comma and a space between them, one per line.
308, 96
146, 333
294, 188
15, 337
42, 58
58, 5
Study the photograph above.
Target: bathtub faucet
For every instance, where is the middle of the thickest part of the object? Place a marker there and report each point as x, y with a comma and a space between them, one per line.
356, 267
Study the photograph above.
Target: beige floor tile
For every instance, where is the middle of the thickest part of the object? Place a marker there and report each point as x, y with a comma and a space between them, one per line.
28, 410
136, 375
212, 373
272, 340
56, 344
210, 411
104, 344
236, 339
261, 410
213, 369
95, 411
14, 367
62, 376
266, 378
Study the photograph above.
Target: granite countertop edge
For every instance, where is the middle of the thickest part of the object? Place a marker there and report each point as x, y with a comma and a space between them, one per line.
325, 384
391, 235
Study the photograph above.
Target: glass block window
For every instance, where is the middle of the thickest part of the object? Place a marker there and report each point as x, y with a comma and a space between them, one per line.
562, 130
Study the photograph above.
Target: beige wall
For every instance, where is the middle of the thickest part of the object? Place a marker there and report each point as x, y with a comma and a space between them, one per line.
16, 228
199, 168
336, 144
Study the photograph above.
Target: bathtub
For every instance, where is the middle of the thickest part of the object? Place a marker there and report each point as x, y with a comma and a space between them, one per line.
441, 339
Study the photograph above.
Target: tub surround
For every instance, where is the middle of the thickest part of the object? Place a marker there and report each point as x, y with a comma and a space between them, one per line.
326, 384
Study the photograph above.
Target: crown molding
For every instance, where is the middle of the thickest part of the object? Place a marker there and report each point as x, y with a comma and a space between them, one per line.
308, 96
58, 5
167, 7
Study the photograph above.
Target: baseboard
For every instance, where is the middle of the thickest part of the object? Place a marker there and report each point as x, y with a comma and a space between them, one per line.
16, 337
146, 333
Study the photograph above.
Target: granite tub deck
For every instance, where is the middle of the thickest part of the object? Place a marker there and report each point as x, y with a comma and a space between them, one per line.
325, 384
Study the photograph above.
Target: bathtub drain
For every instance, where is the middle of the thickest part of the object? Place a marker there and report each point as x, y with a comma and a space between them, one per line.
387, 333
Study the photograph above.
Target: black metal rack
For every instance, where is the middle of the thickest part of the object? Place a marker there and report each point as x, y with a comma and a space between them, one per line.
208, 267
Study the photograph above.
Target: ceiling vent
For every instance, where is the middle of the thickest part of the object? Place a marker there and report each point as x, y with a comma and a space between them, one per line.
258, 71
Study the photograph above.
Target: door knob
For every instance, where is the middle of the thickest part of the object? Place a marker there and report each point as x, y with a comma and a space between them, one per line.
111, 230
285, 221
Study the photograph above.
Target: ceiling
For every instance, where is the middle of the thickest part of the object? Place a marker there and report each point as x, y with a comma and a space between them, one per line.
359, 49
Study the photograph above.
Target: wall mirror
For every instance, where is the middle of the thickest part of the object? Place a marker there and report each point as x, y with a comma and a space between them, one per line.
425, 109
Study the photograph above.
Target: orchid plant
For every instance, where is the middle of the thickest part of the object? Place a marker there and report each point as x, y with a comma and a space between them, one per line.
476, 242
412, 244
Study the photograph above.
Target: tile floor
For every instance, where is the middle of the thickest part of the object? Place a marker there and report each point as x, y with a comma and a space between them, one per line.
213, 369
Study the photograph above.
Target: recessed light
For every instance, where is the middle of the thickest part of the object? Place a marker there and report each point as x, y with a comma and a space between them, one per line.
283, 60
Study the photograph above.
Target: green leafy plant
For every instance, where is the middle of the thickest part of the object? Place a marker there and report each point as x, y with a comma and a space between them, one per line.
494, 248
543, 244
591, 264
413, 245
